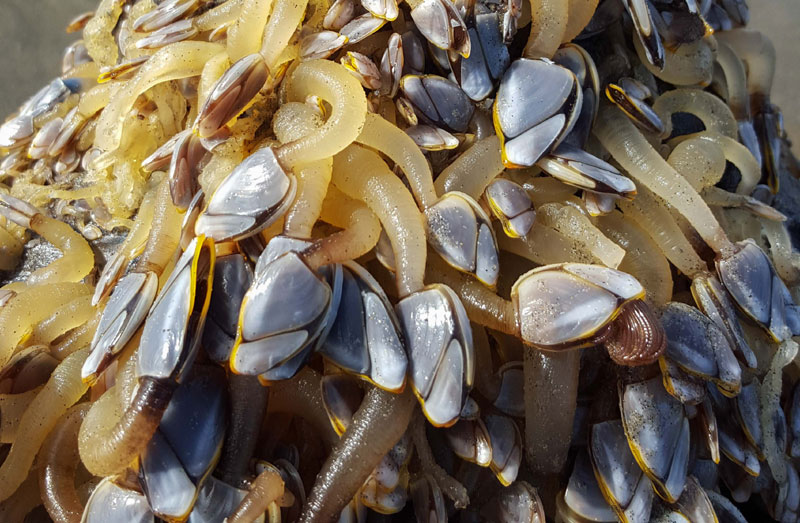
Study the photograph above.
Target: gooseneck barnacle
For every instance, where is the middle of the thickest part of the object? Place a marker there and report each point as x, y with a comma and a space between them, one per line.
268, 260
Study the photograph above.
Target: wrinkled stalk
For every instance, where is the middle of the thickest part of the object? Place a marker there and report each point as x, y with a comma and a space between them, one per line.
109, 442
376, 427
248, 403
59, 460
551, 391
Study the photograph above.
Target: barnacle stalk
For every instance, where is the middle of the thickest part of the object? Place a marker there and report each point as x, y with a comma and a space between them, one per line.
62, 390
378, 424
549, 19
182, 60
60, 459
302, 396
361, 174
769, 400
360, 233
248, 404
449, 485
472, 171
551, 390
332, 83
12, 407
24, 311
247, 32
112, 436
638, 157
163, 235
78, 257
72, 315
652, 216
379, 134
643, 257
483, 306
264, 490
312, 186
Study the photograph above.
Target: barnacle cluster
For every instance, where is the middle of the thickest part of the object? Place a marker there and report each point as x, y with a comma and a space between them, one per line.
479, 260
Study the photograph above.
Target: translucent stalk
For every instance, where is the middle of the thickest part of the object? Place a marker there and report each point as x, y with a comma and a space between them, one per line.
548, 25
111, 438
244, 37
75, 339
472, 172
302, 396
361, 174
10, 250
643, 259
62, 390
223, 14
580, 13
652, 216
388, 139
377, 426
483, 306
783, 256
688, 64
700, 162
734, 152
212, 71
359, 236
176, 61
59, 460
576, 226
736, 80
164, 234
12, 407
23, 312
313, 181
334, 84
74, 264
95, 99
757, 52
542, 189
73, 314
451, 487
544, 245
293, 121
266, 489
713, 112
98, 35
283, 22
633, 152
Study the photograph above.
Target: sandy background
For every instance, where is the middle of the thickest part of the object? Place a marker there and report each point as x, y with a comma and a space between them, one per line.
32, 39
780, 20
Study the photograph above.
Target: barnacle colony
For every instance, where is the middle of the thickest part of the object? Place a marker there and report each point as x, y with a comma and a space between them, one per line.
321, 261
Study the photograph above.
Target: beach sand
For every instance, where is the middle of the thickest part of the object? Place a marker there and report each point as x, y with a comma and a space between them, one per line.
780, 20
32, 38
